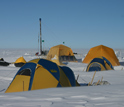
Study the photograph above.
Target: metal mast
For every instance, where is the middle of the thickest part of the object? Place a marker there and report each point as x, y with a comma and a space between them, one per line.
40, 37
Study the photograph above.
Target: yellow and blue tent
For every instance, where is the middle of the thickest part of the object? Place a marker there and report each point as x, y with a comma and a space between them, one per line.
99, 64
40, 74
104, 51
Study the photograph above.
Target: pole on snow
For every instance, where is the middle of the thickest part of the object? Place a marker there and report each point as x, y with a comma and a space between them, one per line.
38, 43
40, 38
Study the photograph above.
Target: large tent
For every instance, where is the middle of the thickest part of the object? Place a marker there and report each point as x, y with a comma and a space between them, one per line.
99, 64
60, 53
104, 51
40, 74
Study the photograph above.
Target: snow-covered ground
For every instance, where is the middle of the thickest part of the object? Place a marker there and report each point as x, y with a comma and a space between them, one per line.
84, 96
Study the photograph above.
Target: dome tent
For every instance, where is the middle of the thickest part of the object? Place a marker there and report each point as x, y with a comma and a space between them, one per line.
99, 64
20, 62
40, 74
104, 51
60, 53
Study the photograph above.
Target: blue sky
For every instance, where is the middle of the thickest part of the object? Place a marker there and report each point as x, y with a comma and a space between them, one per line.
78, 23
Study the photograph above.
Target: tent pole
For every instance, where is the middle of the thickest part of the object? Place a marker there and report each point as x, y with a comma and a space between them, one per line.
23, 85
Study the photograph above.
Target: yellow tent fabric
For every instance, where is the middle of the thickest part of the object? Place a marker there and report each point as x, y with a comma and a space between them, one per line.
56, 60
20, 83
60, 53
104, 51
21, 59
20, 62
41, 74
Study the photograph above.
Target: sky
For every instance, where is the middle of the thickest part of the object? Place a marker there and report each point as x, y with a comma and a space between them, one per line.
77, 23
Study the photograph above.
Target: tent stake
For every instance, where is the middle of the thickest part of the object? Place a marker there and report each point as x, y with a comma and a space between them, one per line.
93, 77
89, 84
102, 79
77, 76
97, 82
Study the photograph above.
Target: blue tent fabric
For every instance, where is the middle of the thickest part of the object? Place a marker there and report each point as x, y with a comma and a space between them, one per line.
108, 62
50, 66
69, 73
30, 70
99, 64
97, 67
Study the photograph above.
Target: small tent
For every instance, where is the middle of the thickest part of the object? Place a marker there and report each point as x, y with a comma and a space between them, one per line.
104, 51
20, 62
99, 64
40, 74
61, 53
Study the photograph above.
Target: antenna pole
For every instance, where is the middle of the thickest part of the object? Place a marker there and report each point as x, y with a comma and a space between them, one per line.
40, 37
38, 42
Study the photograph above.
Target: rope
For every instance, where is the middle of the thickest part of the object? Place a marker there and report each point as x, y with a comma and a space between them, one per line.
7, 75
54, 37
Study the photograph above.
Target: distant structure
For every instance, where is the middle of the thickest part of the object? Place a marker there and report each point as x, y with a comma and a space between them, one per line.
40, 38
40, 50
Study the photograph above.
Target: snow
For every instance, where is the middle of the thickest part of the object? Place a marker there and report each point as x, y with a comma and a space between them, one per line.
83, 96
